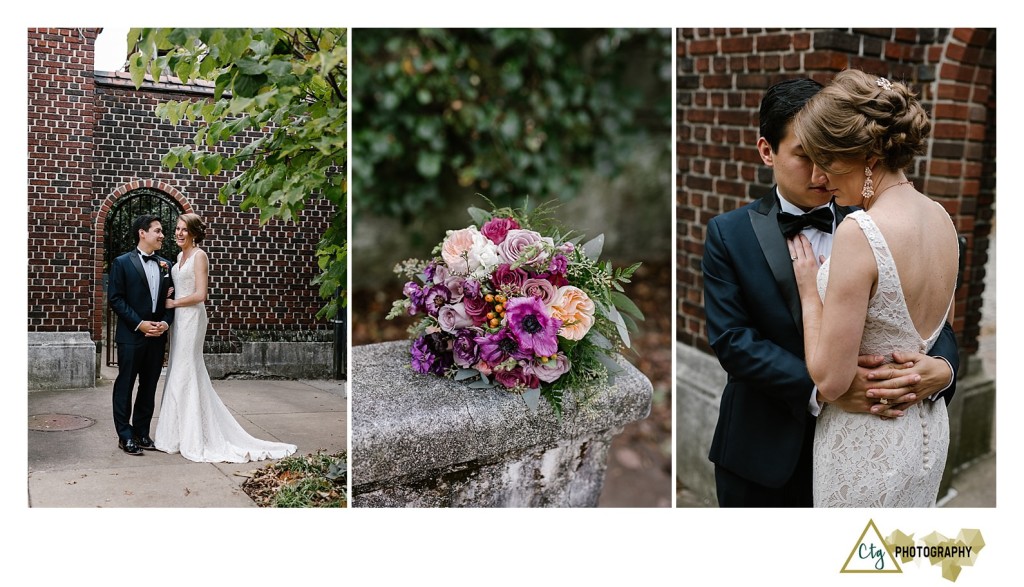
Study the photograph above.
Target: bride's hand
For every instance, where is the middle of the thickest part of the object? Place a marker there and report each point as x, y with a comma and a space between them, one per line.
805, 266
170, 303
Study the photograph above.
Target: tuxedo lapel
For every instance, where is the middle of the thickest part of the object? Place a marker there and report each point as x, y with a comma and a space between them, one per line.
764, 220
137, 263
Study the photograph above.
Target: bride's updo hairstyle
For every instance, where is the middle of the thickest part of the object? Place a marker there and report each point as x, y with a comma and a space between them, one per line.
860, 116
195, 226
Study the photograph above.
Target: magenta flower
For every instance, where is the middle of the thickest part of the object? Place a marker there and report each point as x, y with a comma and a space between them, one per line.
534, 330
495, 229
499, 347
506, 278
515, 377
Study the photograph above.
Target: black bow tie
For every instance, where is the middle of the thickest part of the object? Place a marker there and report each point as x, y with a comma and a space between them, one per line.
148, 257
792, 224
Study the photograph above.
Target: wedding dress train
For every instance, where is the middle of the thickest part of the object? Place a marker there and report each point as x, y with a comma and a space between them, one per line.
193, 420
861, 460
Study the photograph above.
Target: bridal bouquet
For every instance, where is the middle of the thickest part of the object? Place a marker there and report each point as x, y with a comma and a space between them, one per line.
511, 302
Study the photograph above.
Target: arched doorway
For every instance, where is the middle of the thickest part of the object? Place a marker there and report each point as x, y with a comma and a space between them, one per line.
119, 239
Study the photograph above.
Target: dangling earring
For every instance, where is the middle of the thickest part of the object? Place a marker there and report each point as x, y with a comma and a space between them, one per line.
869, 186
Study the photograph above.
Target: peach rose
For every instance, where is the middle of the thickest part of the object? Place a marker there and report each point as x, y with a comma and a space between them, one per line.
575, 309
455, 248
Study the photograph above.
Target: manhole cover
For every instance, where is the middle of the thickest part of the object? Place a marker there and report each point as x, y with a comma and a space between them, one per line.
58, 422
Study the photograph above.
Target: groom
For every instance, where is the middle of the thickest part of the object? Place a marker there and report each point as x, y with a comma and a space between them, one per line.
137, 290
763, 440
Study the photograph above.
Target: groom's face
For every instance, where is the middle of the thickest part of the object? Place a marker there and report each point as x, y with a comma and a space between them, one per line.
794, 171
151, 239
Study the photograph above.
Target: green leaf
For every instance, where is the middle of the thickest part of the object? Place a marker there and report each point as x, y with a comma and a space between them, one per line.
479, 216
592, 248
463, 374
532, 398
620, 325
599, 340
626, 305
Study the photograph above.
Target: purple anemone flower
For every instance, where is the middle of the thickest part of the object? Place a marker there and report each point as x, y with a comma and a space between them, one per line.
534, 330
498, 347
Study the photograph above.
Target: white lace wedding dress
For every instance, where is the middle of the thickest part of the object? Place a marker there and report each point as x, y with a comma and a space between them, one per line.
193, 420
861, 460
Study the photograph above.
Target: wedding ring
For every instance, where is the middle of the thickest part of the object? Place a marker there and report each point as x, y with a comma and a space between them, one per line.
884, 401
793, 258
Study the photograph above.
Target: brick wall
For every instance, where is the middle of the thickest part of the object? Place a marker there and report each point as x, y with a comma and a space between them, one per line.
721, 76
60, 169
260, 277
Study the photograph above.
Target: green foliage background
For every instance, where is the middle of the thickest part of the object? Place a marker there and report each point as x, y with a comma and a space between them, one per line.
505, 112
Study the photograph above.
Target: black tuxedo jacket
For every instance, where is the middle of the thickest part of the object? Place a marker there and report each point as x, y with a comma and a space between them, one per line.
755, 327
128, 294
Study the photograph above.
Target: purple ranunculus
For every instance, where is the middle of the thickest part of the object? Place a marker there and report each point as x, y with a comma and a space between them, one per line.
477, 309
515, 377
508, 279
465, 348
550, 371
434, 298
540, 289
495, 229
430, 354
534, 330
452, 317
498, 347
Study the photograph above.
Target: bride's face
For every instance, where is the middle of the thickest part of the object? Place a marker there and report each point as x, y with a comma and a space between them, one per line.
845, 181
181, 234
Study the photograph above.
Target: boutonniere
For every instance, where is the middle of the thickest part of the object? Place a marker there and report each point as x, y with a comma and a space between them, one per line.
164, 268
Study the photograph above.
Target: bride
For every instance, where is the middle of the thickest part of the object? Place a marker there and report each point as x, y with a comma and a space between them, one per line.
193, 420
887, 288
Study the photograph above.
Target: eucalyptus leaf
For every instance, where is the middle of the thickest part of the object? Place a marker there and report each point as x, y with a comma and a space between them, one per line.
626, 305
479, 216
532, 398
482, 384
599, 340
620, 325
593, 247
611, 365
463, 374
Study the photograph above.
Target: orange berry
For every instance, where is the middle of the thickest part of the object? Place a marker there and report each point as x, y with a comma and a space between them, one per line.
495, 322
501, 299
491, 315
489, 298
499, 308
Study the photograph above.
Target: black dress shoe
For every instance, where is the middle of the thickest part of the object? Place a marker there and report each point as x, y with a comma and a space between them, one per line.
129, 447
145, 443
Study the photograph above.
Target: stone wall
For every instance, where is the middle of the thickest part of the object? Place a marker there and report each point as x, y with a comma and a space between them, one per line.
426, 441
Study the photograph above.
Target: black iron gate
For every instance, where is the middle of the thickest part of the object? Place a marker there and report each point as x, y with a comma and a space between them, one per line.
120, 239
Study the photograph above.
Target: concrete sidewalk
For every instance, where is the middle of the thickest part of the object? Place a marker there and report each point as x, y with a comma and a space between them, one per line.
85, 468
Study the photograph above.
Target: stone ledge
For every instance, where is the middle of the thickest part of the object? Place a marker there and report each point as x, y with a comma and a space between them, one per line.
412, 430
61, 360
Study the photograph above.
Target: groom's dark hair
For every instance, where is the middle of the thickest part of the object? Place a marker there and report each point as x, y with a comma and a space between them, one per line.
142, 223
781, 103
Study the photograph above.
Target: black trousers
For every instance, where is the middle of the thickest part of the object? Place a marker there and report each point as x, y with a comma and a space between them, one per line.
141, 360
736, 491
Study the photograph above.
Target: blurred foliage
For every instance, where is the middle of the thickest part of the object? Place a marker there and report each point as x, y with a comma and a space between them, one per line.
507, 113
293, 84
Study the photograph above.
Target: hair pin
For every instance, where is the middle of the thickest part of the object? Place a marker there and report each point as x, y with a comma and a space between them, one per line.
884, 83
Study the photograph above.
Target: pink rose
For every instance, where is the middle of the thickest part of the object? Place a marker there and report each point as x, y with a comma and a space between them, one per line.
540, 289
575, 309
453, 317
525, 246
549, 372
496, 228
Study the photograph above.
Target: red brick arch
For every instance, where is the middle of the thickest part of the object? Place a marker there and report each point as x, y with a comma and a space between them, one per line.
99, 234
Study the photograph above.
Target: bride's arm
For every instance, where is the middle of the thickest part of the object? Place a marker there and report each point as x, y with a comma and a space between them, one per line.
833, 330
202, 269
